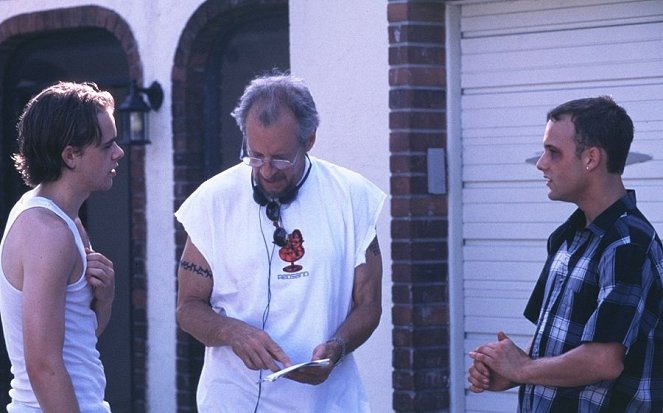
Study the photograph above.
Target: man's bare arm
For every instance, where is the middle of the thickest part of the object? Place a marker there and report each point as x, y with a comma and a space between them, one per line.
195, 316
360, 323
48, 267
585, 364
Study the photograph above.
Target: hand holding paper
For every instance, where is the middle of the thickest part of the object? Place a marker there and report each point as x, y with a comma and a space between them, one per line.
283, 372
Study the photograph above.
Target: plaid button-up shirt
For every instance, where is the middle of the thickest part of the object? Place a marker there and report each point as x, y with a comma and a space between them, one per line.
601, 283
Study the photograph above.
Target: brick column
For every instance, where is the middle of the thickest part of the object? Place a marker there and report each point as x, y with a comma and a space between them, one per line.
419, 220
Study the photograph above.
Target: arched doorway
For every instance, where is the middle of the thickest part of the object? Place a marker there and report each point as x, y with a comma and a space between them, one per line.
236, 44
79, 55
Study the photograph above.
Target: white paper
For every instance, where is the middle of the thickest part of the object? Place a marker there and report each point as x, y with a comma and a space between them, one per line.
283, 372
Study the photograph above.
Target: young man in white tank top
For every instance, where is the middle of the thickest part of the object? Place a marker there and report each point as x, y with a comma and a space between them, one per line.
56, 292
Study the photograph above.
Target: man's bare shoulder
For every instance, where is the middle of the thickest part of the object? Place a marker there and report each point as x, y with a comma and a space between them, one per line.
40, 225
37, 235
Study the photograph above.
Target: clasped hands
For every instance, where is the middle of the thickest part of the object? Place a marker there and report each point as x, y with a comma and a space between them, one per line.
259, 352
496, 366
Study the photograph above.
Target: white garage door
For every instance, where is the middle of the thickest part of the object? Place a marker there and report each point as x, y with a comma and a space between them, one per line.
519, 59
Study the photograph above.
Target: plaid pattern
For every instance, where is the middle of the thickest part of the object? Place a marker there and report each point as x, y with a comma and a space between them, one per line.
601, 284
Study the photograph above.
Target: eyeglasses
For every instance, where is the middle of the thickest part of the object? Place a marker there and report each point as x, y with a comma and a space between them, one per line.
280, 164
273, 212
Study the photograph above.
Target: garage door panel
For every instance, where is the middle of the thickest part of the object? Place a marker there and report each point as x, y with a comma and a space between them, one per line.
621, 36
647, 144
519, 59
647, 132
492, 287
479, 338
650, 169
488, 9
501, 402
525, 155
514, 323
590, 55
514, 193
628, 91
649, 191
526, 172
491, 231
501, 251
524, 213
508, 117
499, 18
479, 306
477, 273
530, 136
646, 113
500, 153
552, 76
507, 172
539, 216
523, 113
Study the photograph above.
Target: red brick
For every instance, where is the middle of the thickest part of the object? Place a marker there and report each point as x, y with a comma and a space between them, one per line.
409, 185
416, 33
403, 358
414, 272
407, 163
422, 11
420, 206
417, 120
420, 315
407, 98
417, 141
397, 12
417, 76
421, 228
426, 11
419, 250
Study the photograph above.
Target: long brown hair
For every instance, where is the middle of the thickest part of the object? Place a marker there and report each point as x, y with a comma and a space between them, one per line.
61, 115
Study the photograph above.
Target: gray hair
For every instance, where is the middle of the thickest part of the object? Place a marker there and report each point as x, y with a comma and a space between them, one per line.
269, 93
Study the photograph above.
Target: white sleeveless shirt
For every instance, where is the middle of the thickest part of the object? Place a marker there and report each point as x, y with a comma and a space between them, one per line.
79, 352
309, 292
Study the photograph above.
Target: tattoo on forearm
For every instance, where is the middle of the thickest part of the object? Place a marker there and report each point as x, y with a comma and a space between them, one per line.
374, 247
196, 269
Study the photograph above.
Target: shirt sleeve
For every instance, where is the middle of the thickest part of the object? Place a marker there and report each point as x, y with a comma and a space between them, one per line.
194, 215
534, 305
625, 282
367, 205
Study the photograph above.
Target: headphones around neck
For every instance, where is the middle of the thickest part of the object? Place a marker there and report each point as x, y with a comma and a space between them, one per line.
286, 198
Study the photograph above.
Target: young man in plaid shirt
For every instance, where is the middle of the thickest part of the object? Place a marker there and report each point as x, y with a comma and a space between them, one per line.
598, 344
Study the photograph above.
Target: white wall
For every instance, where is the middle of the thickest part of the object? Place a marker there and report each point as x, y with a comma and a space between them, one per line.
340, 48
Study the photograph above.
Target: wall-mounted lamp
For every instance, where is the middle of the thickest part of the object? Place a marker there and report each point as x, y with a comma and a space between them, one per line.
134, 113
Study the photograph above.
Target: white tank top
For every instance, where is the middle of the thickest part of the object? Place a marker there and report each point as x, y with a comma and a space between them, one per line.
80, 355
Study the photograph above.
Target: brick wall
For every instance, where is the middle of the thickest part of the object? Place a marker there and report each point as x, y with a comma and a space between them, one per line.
419, 220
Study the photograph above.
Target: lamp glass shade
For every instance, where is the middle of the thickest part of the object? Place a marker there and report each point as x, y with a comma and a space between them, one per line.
134, 118
134, 128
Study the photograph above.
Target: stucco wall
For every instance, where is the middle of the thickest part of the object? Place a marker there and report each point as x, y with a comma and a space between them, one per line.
340, 48
156, 45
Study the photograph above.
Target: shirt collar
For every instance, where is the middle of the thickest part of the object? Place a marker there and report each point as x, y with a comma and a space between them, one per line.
607, 218
603, 222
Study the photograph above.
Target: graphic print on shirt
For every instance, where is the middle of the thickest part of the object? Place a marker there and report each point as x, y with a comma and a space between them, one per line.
293, 251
